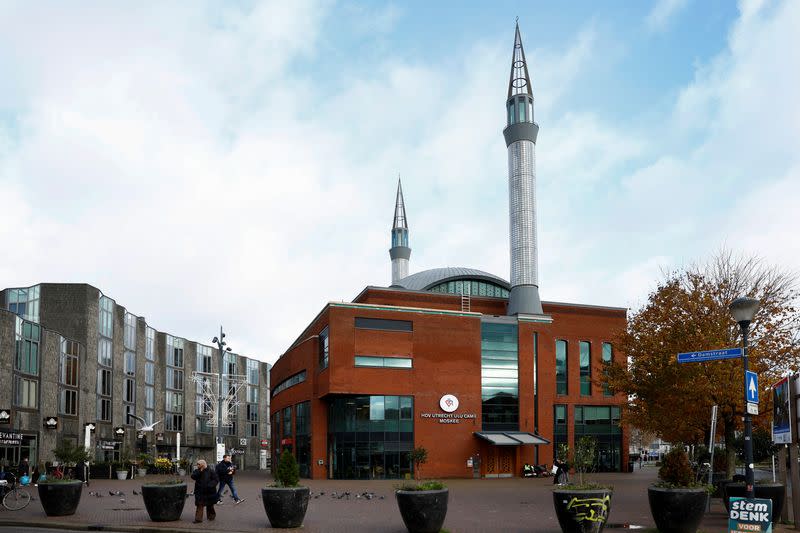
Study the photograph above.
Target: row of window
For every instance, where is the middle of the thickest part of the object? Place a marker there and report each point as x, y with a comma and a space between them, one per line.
383, 362
24, 302
585, 362
291, 381
471, 287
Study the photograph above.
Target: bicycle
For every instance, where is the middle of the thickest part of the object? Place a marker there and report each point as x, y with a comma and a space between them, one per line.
14, 498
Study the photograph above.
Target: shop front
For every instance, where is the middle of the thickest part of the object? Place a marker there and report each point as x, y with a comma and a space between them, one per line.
14, 445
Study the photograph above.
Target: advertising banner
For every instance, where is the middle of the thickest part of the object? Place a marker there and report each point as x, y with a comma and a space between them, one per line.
781, 412
750, 515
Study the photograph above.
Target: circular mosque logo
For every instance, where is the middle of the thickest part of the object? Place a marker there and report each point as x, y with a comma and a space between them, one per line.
448, 403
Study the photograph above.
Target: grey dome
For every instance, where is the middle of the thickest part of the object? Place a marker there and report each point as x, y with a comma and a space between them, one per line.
428, 278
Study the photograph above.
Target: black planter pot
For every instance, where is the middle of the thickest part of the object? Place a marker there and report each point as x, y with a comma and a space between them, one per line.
582, 511
768, 491
423, 511
285, 507
164, 503
677, 510
60, 499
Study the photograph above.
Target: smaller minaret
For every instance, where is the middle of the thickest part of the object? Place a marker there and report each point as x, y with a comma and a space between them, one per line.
400, 251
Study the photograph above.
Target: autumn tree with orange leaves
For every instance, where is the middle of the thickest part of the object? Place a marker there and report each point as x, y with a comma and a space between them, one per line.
689, 312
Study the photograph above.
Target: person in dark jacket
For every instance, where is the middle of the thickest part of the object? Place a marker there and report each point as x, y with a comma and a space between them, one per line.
24, 467
225, 472
205, 491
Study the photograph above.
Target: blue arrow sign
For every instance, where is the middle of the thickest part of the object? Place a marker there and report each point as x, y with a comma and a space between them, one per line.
709, 355
751, 386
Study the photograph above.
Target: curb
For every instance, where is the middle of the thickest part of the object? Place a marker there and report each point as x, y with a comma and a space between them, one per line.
104, 527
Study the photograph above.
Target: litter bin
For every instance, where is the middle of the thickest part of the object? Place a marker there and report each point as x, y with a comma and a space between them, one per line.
631, 464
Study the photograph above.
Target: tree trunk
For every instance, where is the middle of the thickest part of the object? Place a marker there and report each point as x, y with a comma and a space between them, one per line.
730, 450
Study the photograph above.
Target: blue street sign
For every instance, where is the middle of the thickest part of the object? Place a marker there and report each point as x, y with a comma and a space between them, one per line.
709, 355
751, 386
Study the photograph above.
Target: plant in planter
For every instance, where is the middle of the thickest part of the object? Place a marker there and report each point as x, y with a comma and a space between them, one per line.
183, 467
120, 470
144, 461
163, 465
762, 489
678, 501
422, 505
164, 500
285, 502
583, 507
60, 497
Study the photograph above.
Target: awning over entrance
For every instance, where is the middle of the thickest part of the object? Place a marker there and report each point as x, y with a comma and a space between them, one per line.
511, 438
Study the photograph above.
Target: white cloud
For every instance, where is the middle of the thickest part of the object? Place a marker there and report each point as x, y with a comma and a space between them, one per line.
662, 13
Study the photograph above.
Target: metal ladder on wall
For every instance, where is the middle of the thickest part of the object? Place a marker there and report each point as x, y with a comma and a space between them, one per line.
465, 302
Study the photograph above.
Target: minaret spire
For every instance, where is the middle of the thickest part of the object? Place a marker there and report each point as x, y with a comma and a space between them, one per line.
520, 135
400, 252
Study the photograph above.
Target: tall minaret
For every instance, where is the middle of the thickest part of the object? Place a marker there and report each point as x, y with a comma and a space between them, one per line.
400, 251
520, 135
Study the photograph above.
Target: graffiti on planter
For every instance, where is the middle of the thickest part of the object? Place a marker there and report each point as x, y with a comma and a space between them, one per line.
591, 509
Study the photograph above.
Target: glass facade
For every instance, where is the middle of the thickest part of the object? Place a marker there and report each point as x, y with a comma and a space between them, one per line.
559, 427
370, 437
561, 367
105, 359
149, 376
586, 368
303, 438
471, 287
68, 377
129, 383
174, 384
499, 377
601, 422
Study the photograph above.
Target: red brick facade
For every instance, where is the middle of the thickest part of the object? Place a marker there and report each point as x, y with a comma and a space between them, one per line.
445, 345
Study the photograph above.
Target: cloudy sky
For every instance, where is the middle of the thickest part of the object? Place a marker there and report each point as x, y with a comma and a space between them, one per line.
236, 163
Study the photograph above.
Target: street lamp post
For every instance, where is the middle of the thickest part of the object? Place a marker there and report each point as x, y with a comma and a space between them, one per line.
221, 346
743, 310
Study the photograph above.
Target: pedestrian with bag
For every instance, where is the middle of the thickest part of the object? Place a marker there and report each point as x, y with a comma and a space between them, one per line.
205, 491
225, 472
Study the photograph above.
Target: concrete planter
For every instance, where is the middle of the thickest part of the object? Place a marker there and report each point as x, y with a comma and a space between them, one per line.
767, 491
582, 511
285, 506
677, 510
122, 474
141, 472
164, 503
60, 498
423, 511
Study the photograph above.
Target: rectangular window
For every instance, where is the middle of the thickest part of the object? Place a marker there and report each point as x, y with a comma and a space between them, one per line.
174, 378
324, 347
561, 367
289, 382
69, 362
203, 358
586, 368
384, 324
252, 394
27, 347
104, 352
68, 402
25, 392
129, 391
149, 373
252, 372
104, 409
383, 362
106, 323
202, 425
607, 357
130, 363
287, 422
150, 344
130, 331
104, 383
252, 420
25, 302
174, 422
149, 398
174, 401
230, 364
177, 357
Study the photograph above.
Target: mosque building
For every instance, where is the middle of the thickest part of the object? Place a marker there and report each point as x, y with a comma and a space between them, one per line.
477, 370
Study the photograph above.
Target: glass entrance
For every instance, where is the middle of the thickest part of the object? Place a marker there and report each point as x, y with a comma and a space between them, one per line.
10, 456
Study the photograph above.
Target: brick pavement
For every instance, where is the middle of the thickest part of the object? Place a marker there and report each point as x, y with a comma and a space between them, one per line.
487, 505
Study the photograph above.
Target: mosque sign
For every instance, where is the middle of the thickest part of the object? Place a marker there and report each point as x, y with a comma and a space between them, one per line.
449, 404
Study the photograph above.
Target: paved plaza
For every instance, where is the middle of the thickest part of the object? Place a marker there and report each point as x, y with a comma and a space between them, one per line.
485, 505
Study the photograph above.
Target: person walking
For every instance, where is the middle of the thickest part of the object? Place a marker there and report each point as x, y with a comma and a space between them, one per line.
205, 485
225, 472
